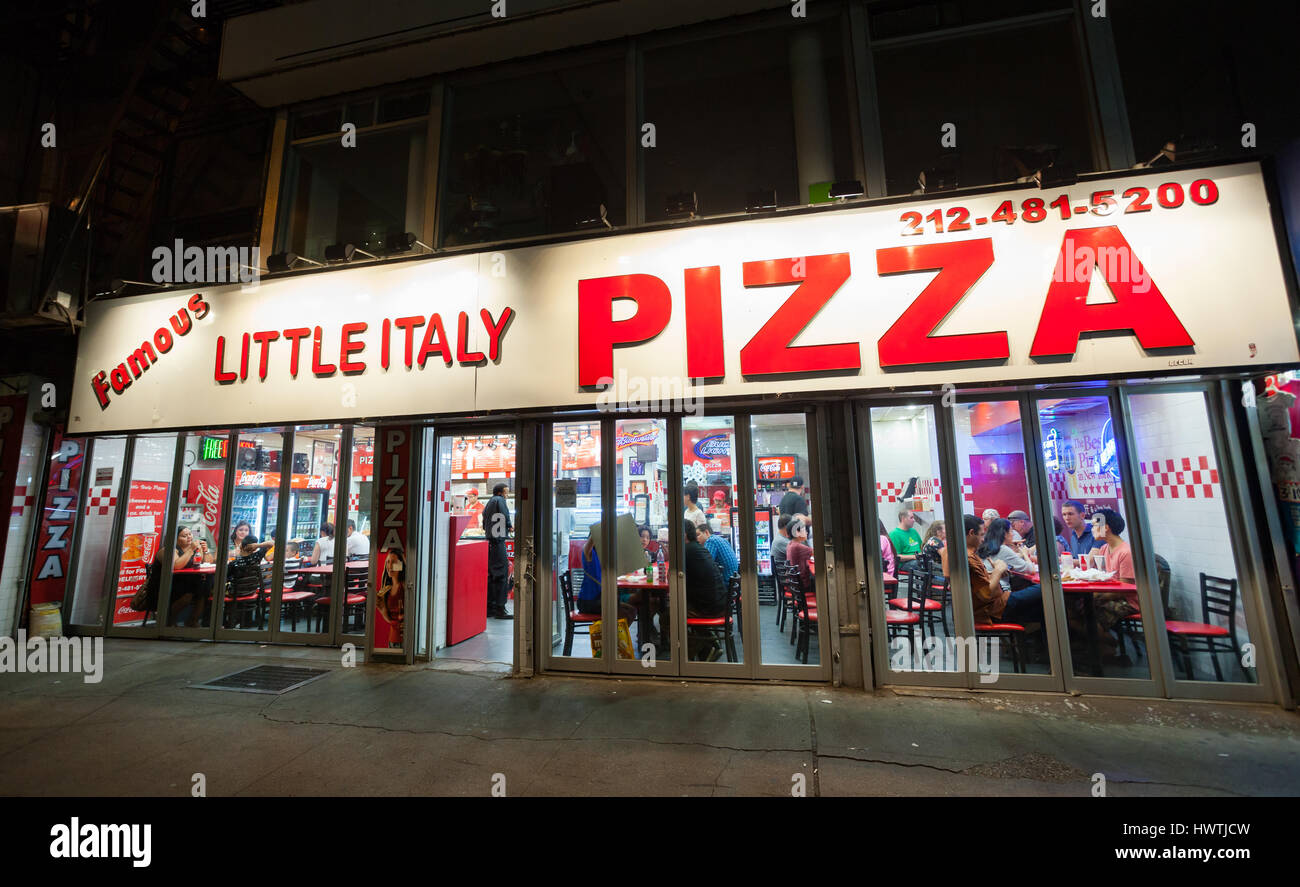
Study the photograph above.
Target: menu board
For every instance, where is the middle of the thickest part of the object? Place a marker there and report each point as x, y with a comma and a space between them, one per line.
142, 533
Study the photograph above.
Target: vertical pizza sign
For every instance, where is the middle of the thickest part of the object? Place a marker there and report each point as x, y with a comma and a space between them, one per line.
57, 515
392, 570
140, 543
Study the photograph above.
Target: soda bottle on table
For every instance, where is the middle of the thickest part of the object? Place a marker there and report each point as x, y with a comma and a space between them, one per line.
659, 564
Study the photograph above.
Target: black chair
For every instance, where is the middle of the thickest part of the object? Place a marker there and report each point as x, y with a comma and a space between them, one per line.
243, 592
804, 608
573, 620
1218, 598
920, 583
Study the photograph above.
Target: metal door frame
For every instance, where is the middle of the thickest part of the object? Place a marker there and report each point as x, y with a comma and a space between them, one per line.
436, 551
166, 543
1247, 558
1139, 543
1031, 449
876, 642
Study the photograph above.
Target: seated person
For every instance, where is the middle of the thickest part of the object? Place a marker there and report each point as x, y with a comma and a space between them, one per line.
997, 545
1111, 608
358, 544
241, 535
588, 596
906, 540
719, 548
799, 553
992, 603
887, 551
189, 588
780, 542
706, 595
323, 551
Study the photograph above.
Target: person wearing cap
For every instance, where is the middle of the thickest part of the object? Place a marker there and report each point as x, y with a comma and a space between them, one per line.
708, 534
799, 552
794, 501
1022, 527
473, 507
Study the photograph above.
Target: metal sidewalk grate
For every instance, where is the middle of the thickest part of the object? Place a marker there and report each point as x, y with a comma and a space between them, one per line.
272, 679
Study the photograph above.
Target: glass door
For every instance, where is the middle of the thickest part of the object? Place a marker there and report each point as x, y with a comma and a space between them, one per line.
1013, 535
148, 543
571, 536
1096, 583
1203, 602
919, 570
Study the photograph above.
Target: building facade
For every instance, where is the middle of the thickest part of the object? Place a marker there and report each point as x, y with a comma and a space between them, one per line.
631, 268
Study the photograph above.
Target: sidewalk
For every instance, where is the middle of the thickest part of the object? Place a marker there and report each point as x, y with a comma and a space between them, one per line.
387, 730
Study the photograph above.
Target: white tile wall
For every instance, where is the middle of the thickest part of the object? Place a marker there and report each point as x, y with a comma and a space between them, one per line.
1191, 533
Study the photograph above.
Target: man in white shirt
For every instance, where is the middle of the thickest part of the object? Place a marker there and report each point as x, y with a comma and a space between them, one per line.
358, 545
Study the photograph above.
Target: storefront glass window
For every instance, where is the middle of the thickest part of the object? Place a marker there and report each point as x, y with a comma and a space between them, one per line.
537, 154
782, 490
994, 477
309, 553
96, 530
575, 512
712, 546
758, 111
909, 500
143, 544
641, 474
254, 519
358, 195
203, 477
1198, 586
357, 530
957, 111
1083, 478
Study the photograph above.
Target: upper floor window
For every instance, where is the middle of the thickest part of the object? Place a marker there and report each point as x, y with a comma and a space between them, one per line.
737, 116
982, 108
543, 152
355, 188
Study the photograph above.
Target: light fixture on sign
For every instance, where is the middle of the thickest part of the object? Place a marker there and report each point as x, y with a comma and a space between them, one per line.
338, 253
683, 204
846, 190
763, 200
403, 242
286, 262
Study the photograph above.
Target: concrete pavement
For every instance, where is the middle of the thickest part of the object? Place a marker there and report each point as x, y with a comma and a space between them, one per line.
388, 730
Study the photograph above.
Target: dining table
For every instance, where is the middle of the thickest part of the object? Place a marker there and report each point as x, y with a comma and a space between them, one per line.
655, 587
1089, 588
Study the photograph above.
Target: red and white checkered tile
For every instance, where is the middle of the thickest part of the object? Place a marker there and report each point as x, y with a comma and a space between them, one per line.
1185, 478
100, 500
22, 502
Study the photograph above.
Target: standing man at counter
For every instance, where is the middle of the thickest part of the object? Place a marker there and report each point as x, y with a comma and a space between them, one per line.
794, 501
497, 527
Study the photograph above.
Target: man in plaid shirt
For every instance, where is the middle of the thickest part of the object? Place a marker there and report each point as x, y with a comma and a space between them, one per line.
720, 548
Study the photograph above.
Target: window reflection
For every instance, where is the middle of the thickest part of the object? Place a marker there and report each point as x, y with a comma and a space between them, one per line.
537, 154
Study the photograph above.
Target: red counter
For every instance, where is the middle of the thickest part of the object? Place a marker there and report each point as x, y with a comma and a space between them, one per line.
466, 584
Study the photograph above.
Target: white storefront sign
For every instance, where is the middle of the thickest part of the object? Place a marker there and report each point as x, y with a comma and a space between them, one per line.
1136, 275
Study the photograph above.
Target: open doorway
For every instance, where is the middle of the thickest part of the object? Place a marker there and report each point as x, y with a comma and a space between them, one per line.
474, 511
